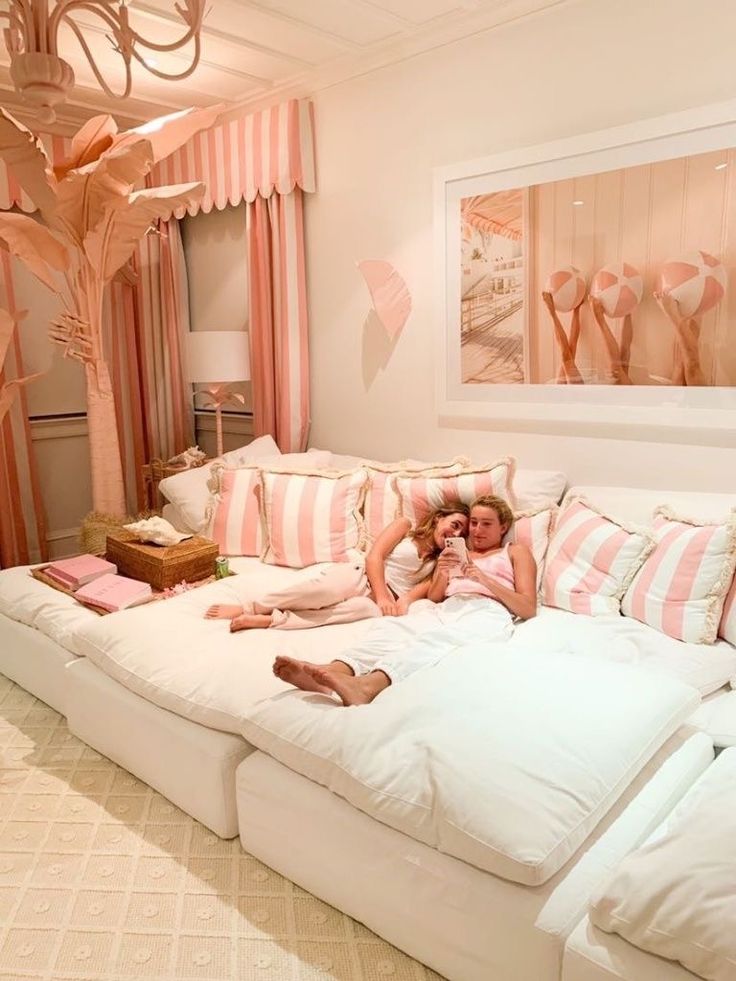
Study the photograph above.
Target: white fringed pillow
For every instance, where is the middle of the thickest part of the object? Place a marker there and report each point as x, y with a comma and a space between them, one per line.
681, 588
675, 895
591, 560
312, 517
420, 493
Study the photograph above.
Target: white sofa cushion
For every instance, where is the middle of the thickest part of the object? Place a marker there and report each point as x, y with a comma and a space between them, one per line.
675, 896
492, 755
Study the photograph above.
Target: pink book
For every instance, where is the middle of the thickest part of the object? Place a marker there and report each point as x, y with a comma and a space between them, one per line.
112, 593
79, 570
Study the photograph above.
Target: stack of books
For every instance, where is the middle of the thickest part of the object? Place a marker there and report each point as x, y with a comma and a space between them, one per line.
95, 581
73, 573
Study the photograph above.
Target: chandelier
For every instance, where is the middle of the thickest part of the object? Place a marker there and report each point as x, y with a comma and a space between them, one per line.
44, 79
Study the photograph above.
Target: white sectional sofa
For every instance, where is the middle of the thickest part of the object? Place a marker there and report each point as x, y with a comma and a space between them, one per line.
184, 705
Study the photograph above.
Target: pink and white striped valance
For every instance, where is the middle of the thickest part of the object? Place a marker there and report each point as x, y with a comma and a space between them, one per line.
237, 160
267, 151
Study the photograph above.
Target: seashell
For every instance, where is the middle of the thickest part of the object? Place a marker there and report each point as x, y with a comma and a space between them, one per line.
157, 530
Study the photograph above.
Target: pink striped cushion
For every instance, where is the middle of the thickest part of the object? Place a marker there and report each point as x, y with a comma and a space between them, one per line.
381, 500
312, 518
681, 588
420, 494
235, 520
591, 560
233, 517
727, 629
534, 528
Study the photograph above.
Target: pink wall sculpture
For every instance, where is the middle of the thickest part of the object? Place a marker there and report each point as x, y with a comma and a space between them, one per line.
389, 292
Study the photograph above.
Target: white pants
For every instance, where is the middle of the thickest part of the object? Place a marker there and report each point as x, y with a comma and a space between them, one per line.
400, 646
334, 593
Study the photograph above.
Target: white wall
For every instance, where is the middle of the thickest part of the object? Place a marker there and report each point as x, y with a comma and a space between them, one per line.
583, 66
216, 253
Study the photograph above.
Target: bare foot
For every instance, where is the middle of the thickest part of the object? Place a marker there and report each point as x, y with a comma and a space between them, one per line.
222, 612
248, 621
352, 690
294, 672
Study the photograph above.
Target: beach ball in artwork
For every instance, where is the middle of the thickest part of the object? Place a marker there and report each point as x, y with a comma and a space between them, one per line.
619, 288
697, 280
567, 287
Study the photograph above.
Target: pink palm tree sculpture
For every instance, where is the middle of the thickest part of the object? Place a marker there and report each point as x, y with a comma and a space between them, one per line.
91, 221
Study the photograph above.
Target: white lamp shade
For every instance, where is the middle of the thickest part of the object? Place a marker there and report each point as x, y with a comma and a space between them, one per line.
218, 356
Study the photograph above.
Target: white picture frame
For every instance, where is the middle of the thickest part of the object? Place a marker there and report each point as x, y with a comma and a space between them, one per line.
696, 415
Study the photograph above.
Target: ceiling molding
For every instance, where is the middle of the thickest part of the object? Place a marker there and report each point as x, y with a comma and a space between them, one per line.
289, 75
421, 42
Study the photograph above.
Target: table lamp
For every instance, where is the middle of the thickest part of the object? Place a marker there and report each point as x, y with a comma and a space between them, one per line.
219, 357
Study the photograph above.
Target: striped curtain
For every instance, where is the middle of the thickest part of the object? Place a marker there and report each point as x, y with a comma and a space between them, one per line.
147, 325
22, 518
278, 319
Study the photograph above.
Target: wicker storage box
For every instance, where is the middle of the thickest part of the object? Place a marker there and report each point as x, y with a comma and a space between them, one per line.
162, 565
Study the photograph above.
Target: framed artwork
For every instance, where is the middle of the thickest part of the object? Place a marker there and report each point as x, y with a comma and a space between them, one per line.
589, 286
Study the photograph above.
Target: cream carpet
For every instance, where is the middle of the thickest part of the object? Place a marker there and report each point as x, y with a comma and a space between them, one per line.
102, 878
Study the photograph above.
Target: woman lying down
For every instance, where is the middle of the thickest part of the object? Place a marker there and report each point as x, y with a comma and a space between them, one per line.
470, 598
397, 572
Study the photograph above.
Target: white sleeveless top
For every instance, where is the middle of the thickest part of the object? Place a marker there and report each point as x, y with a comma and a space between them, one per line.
404, 569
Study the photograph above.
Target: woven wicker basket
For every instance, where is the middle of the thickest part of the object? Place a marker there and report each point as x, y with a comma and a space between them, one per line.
94, 531
162, 565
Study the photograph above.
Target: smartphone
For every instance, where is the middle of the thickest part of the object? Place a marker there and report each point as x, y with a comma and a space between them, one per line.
457, 545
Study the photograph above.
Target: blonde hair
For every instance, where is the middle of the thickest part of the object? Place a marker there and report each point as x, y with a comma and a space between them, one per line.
497, 504
425, 529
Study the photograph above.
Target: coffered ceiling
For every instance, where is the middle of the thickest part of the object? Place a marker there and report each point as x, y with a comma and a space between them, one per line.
255, 52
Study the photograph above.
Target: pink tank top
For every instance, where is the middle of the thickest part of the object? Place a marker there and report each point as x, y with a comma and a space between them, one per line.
497, 566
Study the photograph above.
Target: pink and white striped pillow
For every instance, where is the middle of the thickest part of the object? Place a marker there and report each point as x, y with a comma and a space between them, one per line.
312, 517
591, 560
727, 629
682, 586
534, 529
420, 494
381, 500
233, 514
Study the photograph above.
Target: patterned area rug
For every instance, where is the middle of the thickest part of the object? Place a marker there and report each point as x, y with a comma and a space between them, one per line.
102, 878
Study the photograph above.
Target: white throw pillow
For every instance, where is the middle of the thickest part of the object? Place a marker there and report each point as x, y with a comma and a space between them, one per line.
676, 895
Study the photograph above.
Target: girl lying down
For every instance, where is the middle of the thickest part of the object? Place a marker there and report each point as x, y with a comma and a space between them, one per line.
398, 572
474, 600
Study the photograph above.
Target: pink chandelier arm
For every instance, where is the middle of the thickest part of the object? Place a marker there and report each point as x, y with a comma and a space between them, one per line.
44, 78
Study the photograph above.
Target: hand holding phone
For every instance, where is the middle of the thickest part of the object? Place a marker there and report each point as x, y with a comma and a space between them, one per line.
458, 546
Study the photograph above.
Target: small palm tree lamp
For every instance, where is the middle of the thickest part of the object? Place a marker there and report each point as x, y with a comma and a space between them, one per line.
219, 358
